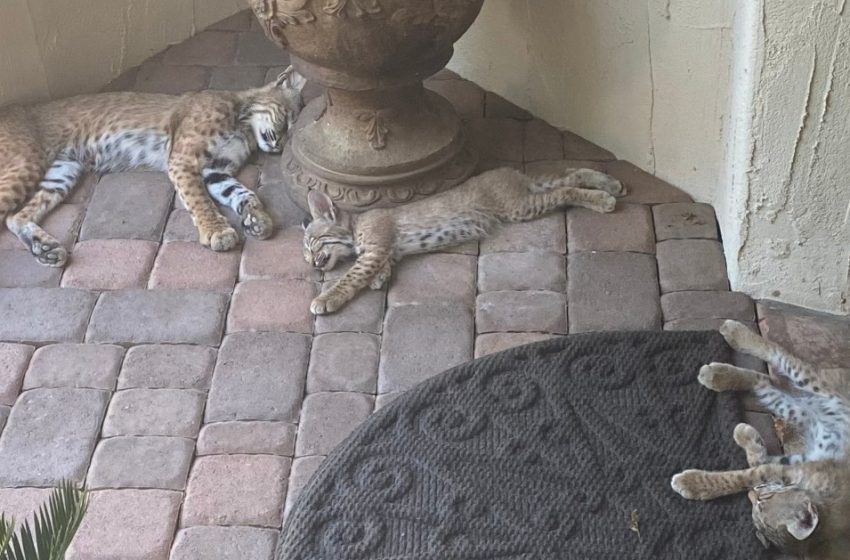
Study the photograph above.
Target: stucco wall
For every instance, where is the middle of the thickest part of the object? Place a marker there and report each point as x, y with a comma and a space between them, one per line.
54, 48
647, 80
786, 215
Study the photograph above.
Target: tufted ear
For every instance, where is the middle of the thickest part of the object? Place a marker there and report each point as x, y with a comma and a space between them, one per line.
804, 521
321, 206
290, 79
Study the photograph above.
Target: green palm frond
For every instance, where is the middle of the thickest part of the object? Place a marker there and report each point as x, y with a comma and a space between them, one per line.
7, 528
53, 528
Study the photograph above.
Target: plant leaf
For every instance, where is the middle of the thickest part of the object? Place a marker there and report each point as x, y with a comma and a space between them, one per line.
7, 529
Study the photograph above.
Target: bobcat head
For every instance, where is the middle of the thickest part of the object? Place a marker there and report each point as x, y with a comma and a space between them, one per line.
328, 237
272, 109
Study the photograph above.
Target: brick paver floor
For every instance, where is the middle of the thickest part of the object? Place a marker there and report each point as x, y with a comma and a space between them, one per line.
195, 394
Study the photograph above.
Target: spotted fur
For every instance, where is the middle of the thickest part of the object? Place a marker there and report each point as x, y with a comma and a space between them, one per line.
470, 211
200, 139
801, 500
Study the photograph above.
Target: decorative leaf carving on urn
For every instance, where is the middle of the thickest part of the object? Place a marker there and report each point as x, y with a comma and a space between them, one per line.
355, 8
375, 127
287, 12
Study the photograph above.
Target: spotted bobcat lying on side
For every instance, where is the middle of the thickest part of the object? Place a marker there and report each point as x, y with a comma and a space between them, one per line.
469, 211
801, 502
200, 139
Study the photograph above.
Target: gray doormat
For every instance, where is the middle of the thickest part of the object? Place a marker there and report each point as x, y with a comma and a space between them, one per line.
559, 450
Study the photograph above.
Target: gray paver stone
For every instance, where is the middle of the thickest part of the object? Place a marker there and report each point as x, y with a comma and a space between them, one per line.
522, 271
167, 366
88, 366
4, 415
272, 305
128, 206
158, 78
13, 363
302, 470
491, 343
19, 269
259, 376
344, 362
154, 412
643, 188
684, 220
170, 316
708, 305
466, 97
497, 106
613, 291
821, 338
207, 48
365, 313
256, 438
497, 138
508, 311
224, 543
411, 334
255, 49
141, 462
50, 435
629, 228
691, 264
328, 418
542, 141
434, 278
576, 147
544, 234
44, 314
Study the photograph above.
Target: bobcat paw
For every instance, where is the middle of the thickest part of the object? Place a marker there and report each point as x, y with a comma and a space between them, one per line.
322, 305
723, 377
734, 333
257, 222
690, 485
224, 239
751, 441
50, 253
613, 186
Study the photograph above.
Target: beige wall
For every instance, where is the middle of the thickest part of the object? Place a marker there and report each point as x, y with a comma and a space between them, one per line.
744, 104
54, 48
647, 80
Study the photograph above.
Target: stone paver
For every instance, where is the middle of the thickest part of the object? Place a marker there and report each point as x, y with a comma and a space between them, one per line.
129, 263
86, 366
240, 21
127, 524
708, 305
576, 147
180, 227
273, 193
491, 343
207, 48
344, 362
542, 141
259, 376
256, 438
466, 97
509, 311
170, 316
154, 412
19, 269
63, 223
497, 138
278, 258
302, 470
613, 291
21, 504
272, 305
383, 400
188, 265
224, 543
627, 229
820, 338
13, 363
544, 234
684, 221
643, 188
50, 435
328, 418
174, 80
44, 314
365, 313
128, 206
167, 366
4, 416
691, 264
435, 278
522, 271
496, 106
256, 50
236, 490
545, 169
410, 335
141, 462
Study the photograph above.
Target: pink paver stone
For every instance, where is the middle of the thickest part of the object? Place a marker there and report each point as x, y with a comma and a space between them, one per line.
21, 504
496, 342
127, 524
92, 366
187, 265
236, 490
265, 438
436, 278
13, 363
272, 305
63, 223
544, 234
277, 258
109, 264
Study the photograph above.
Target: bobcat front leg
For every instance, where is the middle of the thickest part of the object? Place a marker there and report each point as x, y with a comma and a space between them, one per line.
185, 166
705, 485
359, 276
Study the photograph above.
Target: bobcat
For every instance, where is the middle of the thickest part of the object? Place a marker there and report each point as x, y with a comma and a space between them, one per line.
801, 501
201, 139
470, 211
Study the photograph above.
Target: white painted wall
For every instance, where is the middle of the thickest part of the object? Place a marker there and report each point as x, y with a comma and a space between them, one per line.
54, 48
742, 103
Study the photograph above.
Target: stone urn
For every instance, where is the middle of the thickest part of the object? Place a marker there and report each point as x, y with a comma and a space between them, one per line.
377, 137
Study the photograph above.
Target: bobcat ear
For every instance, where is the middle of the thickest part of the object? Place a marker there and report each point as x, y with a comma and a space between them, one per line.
283, 77
321, 206
804, 522
305, 223
290, 79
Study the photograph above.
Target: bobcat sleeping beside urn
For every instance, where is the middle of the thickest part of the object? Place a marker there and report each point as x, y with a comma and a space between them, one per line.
801, 501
